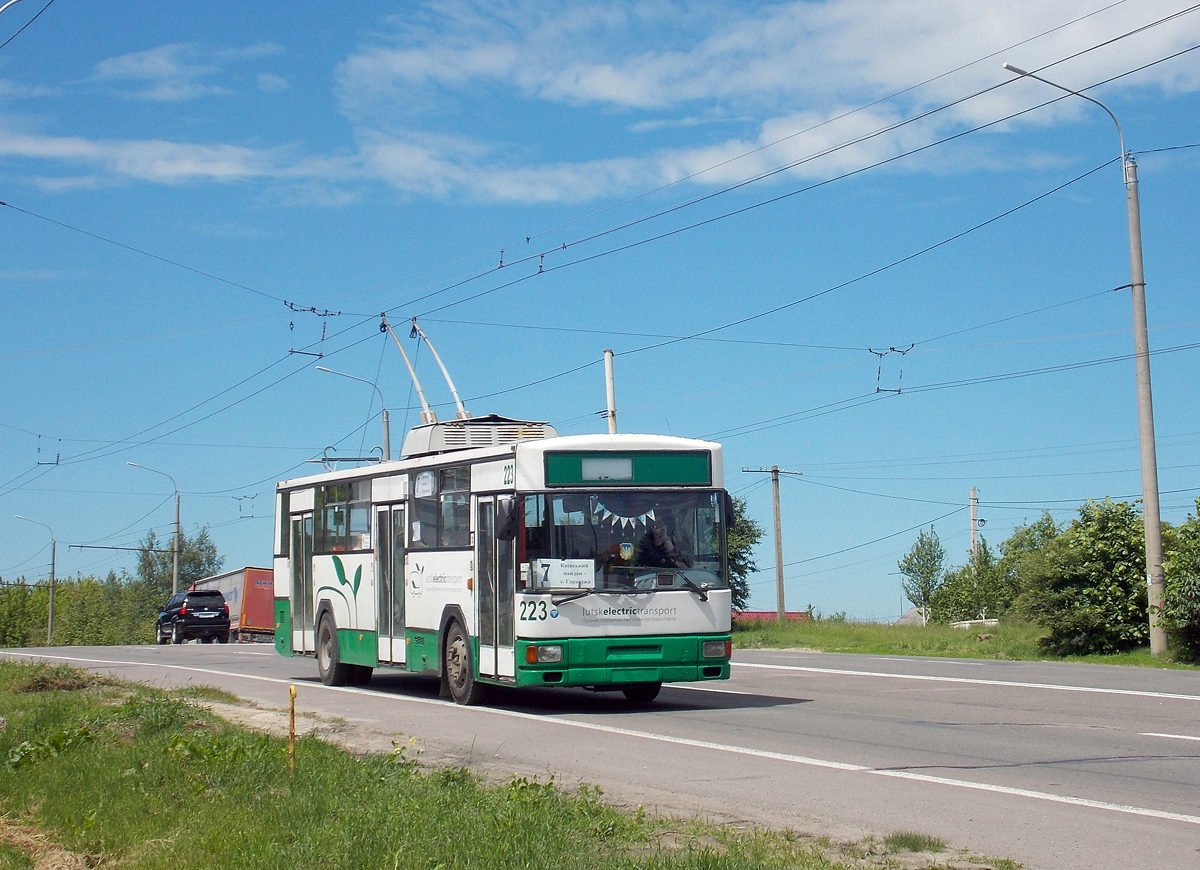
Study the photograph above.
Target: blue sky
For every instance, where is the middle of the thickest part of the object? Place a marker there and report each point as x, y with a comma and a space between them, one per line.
788, 188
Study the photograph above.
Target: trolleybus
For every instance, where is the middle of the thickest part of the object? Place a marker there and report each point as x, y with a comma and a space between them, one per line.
497, 553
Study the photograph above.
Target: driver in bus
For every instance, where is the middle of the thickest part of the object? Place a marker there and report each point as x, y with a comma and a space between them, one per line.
656, 548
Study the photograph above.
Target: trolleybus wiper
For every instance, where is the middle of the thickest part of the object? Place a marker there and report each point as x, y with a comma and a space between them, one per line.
574, 596
690, 585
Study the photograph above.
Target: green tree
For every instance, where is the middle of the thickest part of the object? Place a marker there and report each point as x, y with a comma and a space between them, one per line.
1023, 555
922, 570
198, 559
744, 534
1088, 586
976, 590
1181, 613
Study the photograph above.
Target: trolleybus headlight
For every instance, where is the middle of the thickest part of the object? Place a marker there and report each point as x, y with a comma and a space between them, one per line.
544, 655
718, 649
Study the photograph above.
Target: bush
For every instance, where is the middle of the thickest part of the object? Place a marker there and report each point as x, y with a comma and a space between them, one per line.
1090, 588
1181, 613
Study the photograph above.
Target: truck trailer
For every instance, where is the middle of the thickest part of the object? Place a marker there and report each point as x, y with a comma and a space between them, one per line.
249, 592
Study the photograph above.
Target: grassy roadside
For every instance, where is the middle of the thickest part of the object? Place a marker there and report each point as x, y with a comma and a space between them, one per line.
94, 773
1013, 641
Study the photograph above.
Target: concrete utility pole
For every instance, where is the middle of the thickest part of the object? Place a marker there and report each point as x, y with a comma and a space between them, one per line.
1155, 576
974, 525
775, 471
53, 547
610, 390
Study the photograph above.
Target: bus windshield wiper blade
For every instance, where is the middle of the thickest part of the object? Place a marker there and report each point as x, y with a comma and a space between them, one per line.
572, 597
692, 586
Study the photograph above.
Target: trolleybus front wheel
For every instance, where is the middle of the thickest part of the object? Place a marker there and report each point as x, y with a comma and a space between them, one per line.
460, 670
642, 693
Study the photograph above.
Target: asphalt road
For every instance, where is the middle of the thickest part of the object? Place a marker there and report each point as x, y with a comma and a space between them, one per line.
1054, 765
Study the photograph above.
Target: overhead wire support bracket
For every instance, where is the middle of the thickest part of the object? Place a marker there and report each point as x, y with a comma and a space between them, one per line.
311, 309
879, 370
318, 354
427, 414
330, 461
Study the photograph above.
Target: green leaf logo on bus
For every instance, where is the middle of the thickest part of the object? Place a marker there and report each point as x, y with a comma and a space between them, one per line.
340, 569
352, 599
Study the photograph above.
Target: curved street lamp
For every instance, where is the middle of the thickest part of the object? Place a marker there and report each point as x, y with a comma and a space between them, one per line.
1155, 576
53, 546
177, 542
387, 426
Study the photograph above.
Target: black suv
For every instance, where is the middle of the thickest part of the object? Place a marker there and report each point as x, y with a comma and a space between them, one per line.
200, 613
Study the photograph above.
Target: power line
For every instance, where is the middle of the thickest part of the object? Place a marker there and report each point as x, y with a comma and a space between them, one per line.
832, 407
145, 253
866, 543
542, 254
678, 181
26, 24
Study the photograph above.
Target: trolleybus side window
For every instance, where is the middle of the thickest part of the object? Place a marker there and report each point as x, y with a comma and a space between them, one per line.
455, 516
282, 510
343, 517
441, 515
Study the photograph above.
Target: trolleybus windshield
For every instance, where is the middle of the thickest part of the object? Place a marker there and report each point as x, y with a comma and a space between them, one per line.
624, 541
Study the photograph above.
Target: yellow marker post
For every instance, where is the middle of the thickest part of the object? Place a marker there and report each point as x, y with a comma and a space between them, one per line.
292, 730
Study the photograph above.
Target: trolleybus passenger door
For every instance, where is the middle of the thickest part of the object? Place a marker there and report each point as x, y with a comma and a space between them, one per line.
303, 639
506, 584
494, 588
485, 583
389, 555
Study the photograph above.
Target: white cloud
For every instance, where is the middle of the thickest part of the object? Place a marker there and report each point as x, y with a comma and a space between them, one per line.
269, 83
454, 102
162, 64
789, 66
12, 90
150, 160
182, 71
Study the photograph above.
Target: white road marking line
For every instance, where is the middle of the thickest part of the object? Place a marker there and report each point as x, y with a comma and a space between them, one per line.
683, 741
1042, 796
1172, 736
929, 678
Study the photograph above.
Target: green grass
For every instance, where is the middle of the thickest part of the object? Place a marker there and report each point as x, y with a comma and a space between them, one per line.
1014, 641
911, 841
123, 775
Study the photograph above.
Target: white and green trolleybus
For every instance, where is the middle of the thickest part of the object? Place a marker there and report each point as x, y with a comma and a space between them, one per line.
497, 553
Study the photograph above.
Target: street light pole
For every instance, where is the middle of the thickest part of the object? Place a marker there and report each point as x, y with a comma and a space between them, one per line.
178, 541
1156, 586
53, 547
387, 426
